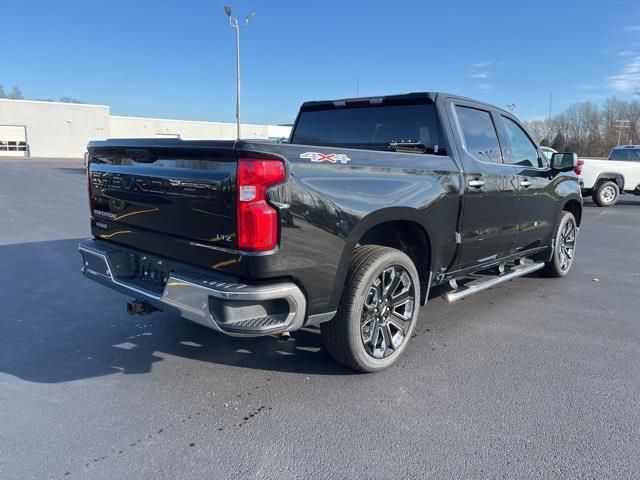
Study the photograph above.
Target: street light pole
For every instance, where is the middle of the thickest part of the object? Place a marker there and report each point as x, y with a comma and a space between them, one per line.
237, 79
237, 25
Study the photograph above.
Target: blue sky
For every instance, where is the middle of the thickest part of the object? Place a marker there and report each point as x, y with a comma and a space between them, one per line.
176, 59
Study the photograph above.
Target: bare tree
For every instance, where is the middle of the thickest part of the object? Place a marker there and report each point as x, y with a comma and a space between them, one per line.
538, 129
634, 121
16, 94
589, 129
70, 100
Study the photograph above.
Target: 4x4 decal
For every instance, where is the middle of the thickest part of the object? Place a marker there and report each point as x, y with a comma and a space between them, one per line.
326, 157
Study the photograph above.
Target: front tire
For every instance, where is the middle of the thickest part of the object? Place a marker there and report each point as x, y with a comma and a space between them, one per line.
378, 310
606, 194
564, 247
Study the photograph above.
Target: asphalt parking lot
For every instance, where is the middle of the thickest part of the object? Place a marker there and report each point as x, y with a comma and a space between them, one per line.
535, 379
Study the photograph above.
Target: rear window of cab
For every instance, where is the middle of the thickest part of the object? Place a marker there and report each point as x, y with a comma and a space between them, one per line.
373, 127
625, 154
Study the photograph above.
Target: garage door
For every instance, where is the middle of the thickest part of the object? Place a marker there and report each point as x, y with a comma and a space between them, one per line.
13, 141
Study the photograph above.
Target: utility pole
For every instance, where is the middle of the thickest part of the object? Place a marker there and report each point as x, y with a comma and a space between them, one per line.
237, 25
622, 125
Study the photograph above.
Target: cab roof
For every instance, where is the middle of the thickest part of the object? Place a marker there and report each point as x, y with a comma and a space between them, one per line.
400, 99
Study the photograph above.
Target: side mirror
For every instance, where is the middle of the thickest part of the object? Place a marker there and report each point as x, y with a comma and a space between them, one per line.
564, 162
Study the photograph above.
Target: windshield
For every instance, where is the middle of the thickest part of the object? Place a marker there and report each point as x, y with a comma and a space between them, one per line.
370, 127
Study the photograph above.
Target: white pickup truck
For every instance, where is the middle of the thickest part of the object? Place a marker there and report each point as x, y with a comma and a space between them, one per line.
605, 180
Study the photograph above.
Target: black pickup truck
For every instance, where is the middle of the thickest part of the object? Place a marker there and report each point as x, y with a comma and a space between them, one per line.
372, 202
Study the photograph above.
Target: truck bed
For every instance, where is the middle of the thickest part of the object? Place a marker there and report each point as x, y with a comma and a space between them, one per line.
177, 199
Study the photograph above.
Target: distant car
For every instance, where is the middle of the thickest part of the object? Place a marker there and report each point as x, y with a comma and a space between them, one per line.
548, 152
605, 180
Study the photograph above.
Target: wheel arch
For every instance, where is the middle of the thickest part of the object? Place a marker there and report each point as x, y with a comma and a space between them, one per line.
618, 178
402, 228
575, 207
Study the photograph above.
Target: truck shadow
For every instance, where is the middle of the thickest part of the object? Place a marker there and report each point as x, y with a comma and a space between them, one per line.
58, 326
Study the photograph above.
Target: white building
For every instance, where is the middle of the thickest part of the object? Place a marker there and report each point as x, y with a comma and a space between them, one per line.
57, 130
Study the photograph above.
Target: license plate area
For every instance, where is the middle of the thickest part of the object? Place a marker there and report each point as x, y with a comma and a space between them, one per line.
147, 271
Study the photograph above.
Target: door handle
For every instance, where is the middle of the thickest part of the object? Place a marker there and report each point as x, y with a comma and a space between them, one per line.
525, 183
476, 183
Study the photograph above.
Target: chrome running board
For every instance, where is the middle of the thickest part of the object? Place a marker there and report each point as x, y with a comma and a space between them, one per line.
483, 282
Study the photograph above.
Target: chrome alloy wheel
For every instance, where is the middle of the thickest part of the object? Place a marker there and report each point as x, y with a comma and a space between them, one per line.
387, 312
567, 244
608, 194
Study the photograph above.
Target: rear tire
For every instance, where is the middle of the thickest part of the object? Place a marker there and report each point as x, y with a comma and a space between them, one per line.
564, 243
378, 310
606, 194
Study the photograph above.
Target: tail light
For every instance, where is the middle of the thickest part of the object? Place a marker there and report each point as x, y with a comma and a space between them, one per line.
257, 219
578, 168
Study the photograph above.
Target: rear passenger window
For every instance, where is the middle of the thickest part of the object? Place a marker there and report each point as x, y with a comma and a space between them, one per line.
520, 150
479, 134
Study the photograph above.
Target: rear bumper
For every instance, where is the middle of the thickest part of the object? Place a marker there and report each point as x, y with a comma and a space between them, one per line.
210, 299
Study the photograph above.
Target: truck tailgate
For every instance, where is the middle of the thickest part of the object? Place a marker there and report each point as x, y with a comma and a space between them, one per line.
169, 197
